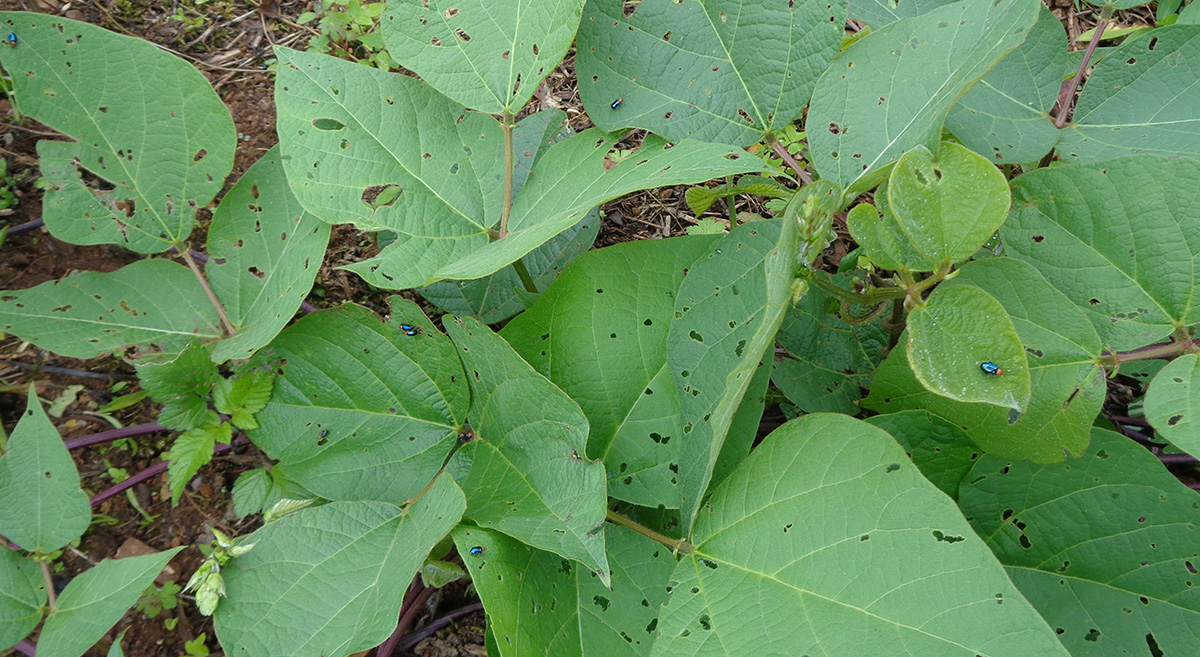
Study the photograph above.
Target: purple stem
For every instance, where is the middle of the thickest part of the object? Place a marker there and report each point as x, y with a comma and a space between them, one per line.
26, 227
26, 647
156, 469
308, 307
1135, 421
114, 434
30, 367
1176, 458
411, 640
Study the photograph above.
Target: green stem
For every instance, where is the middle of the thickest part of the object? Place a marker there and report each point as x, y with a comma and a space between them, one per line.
729, 201
506, 209
872, 298
523, 274
677, 544
783, 153
212, 296
49, 584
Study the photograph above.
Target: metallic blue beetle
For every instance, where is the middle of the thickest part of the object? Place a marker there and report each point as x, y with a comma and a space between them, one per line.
476, 551
991, 368
409, 329
12, 39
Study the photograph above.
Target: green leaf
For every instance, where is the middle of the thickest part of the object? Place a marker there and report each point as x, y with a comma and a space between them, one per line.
539, 603
529, 475
352, 561
1190, 15
1115, 579
878, 13
182, 383
44, 507
250, 491
1061, 350
953, 334
495, 298
266, 251
115, 649
941, 451
22, 595
153, 139
831, 361
1006, 117
362, 411
88, 314
95, 600
487, 55
715, 70
1172, 403
727, 312
891, 90
1141, 99
244, 396
619, 302
882, 237
191, 451
1118, 239
436, 574
743, 429
776, 539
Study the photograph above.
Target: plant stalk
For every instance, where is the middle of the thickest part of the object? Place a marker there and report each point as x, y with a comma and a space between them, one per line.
1165, 351
677, 544
731, 204
523, 273
114, 434
191, 262
156, 469
506, 210
783, 153
1066, 105
50, 597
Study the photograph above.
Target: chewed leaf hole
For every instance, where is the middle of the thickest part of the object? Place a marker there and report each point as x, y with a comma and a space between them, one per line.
696, 336
328, 124
380, 196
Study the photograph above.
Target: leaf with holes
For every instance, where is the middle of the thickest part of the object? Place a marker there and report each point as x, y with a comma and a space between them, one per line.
617, 301
151, 141
22, 595
1173, 400
943, 452
539, 603
1140, 99
1118, 238
88, 314
44, 507
1103, 546
891, 90
956, 336
1006, 117
95, 600
777, 537
1061, 349
353, 561
715, 70
362, 410
486, 54
266, 251
727, 312
526, 472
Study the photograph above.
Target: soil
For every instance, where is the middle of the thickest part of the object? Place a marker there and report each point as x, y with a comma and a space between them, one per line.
229, 43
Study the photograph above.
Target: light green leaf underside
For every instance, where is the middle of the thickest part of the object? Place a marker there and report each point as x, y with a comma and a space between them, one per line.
540, 604
44, 508
1173, 401
362, 411
22, 594
1006, 117
66, 317
617, 301
956, 331
1066, 385
489, 55
1118, 238
266, 251
1116, 581
891, 90
140, 119
1141, 99
330, 580
727, 312
95, 600
529, 474
716, 70
770, 573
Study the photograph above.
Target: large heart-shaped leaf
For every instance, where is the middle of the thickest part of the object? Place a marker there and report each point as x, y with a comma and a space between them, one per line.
1061, 351
541, 604
44, 507
716, 70
266, 251
330, 580
142, 120
95, 600
1118, 238
891, 90
1141, 99
777, 540
88, 314
363, 411
529, 475
489, 55
1103, 546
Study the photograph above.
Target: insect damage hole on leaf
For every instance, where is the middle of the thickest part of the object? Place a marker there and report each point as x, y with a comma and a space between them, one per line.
328, 125
381, 196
